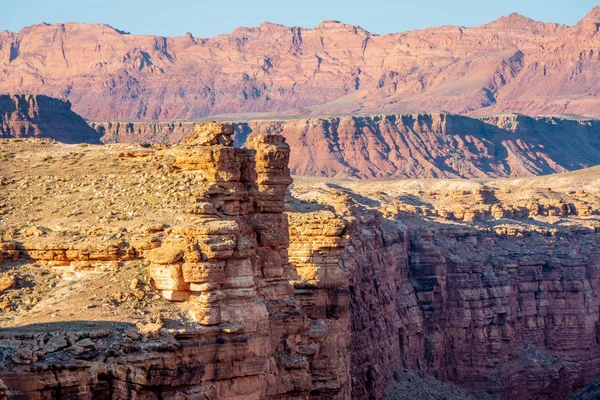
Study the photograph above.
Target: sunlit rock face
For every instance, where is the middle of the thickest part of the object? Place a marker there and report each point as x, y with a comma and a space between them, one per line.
405, 145
242, 332
513, 64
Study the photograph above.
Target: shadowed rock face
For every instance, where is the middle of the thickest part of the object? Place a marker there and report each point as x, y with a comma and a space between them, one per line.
30, 116
513, 64
478, 287
425, 145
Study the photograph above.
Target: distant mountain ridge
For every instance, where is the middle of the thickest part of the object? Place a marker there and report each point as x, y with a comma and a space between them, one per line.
513, 64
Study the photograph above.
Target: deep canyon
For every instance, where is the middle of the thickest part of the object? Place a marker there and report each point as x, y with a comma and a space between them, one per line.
292, 213
186, 270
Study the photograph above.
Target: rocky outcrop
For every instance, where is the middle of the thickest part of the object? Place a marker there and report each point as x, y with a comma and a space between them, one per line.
30, 116
413, 145
513, 64
317, 242
247, 335
505, 314
523, 321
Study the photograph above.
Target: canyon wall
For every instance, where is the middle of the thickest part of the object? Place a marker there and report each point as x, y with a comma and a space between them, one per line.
506, 314
425, 145
142, 131
28, 116
189, 271
513, 64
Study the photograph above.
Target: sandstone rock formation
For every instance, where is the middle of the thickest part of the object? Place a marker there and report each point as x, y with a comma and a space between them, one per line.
42, 116
6, 282
234, 328
513, 64
421, 145
187, 270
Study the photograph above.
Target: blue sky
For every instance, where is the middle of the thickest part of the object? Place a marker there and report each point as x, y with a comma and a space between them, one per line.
208, 18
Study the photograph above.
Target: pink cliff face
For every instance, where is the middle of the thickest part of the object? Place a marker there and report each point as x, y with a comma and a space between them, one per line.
512, 64
181, 260
202, 269
406, 145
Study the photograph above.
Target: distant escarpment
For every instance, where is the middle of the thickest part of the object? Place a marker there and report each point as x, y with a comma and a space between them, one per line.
419, 145
142, 131
23, 116
513, 64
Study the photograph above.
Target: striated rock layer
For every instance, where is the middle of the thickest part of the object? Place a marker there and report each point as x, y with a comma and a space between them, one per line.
23, 116
188, 271
513, 64
422, 145
142, 132
478, 286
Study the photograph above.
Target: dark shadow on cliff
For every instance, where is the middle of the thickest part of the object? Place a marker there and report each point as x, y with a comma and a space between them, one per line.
39, 116
414, 200
68, 326
294, 204
439, 253
359, 198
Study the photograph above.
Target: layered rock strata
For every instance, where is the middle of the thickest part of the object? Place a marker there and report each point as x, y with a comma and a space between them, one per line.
247, 335
142, 131
407, 145
504, 313
30, 116
513, 64
187, 271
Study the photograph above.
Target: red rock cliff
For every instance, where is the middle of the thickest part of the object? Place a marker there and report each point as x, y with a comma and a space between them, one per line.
412, 145
507, 314
23, 116
513, 64
330, 293
247, 336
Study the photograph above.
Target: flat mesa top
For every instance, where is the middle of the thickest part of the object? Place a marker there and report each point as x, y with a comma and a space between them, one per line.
84, 197
81, 189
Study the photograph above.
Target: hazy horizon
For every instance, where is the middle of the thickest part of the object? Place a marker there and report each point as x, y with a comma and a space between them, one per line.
206, 19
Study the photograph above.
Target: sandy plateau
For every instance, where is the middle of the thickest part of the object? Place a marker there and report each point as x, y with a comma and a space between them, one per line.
193, 271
